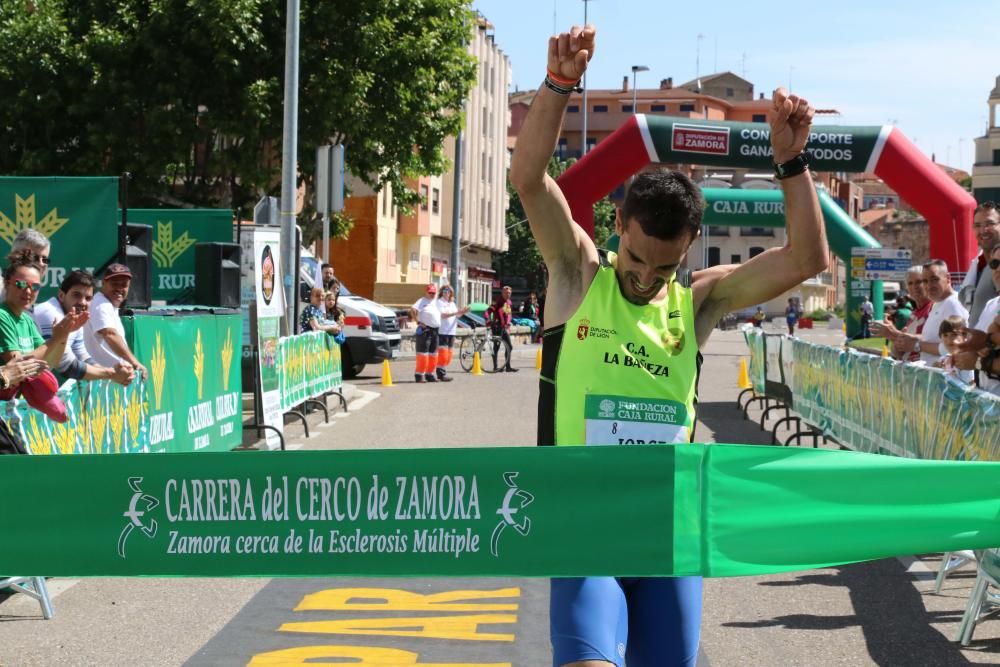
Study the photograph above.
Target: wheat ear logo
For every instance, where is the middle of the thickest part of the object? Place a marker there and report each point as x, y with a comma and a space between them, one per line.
166, 248
159, 365
24, 218
227, 358
199, 362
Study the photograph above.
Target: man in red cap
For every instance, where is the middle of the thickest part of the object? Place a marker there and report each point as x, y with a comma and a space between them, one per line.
428, 317
104, 334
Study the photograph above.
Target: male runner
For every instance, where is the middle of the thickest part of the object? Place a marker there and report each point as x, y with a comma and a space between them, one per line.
628, 328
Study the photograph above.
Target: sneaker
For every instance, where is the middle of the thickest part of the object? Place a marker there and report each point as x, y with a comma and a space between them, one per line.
445, 378
511, 369
419, 379
430, 378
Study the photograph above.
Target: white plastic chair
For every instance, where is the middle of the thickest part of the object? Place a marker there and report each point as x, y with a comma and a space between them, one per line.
983, 601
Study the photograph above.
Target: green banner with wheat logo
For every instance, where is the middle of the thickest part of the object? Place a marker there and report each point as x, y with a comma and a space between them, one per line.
194, 392
79, 216
175, 233
308, 366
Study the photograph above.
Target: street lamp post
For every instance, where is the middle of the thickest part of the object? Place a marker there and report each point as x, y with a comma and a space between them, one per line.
635, 70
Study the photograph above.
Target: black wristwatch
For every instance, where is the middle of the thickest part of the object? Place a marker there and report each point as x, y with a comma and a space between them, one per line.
797, 165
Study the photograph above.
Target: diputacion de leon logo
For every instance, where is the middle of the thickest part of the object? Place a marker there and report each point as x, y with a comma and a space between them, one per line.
137, 516
515, 500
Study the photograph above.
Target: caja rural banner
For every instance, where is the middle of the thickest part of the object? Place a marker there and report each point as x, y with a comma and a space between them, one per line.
79, 216
308, 366
103, 418
716, 510
175, 233
194, 389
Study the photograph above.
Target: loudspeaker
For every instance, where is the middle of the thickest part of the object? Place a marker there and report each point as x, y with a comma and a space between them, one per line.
138, 255
217, 275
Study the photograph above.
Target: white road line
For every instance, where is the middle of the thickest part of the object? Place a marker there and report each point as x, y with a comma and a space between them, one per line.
364, 398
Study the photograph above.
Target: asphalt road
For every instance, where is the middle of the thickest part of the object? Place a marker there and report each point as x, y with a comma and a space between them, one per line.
879, 613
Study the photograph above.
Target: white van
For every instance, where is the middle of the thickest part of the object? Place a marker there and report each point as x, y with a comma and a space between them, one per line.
372, 330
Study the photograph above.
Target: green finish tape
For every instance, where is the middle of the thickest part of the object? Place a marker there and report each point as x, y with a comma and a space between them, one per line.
717, 510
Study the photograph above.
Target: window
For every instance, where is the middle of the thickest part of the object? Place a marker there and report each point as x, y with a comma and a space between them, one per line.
730, 92
561, 150
757, 231
435, 201
600, 108
718, 230
735, 259
658, 107
687, 107
714, 254
385, 201
486, 120
627, 108
573, 108
759, 118
591, 142
754, 251
424, 196
996, 157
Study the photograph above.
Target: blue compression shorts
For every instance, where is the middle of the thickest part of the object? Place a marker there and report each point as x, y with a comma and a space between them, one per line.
650, 622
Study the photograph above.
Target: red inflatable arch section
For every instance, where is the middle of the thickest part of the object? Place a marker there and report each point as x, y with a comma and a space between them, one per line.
884, 150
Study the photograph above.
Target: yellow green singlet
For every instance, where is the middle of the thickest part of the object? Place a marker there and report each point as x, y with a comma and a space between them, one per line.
620, 374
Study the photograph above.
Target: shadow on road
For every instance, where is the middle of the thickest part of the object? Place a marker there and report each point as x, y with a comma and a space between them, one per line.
889, 611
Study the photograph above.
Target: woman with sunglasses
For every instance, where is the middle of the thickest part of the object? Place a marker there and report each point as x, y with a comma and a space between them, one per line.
19, 335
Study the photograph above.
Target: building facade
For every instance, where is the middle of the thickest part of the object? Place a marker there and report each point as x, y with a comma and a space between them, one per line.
390, 256
986, 170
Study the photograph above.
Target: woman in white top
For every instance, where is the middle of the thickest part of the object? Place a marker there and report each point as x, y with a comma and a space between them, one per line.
450, 313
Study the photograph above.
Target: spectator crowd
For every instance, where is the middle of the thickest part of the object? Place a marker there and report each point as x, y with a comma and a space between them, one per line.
955, 330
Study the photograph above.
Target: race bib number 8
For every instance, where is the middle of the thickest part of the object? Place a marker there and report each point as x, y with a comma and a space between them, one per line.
626, 420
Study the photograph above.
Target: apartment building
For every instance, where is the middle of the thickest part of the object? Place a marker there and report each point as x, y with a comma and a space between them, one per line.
391, 257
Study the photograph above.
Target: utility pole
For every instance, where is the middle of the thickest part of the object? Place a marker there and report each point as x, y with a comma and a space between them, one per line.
289, 161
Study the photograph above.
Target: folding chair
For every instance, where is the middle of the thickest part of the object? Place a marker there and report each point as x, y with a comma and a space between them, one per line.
951, 561
32, 587
983, 602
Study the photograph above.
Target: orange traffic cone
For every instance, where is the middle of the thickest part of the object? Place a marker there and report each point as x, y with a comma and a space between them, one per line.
477, 368
386, 374
743, 381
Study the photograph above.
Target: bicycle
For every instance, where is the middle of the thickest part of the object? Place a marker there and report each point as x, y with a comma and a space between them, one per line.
480, 341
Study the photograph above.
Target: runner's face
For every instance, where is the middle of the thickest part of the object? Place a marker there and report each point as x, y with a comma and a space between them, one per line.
646, 264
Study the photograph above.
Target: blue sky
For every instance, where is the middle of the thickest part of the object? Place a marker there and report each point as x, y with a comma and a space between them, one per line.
928, 67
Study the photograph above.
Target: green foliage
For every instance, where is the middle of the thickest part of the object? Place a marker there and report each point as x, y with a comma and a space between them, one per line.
522, 257
187, 95
820, 315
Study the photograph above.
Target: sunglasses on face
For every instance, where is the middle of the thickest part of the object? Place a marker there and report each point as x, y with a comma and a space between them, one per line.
24, 284
994, 264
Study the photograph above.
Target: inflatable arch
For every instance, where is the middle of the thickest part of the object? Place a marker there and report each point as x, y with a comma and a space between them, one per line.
882, 150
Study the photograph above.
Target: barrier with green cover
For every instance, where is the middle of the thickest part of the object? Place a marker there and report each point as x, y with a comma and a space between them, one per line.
715, 510
194, 389
308, 366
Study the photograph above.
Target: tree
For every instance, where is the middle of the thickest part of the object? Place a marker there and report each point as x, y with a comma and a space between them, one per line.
522, 257
187, 95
